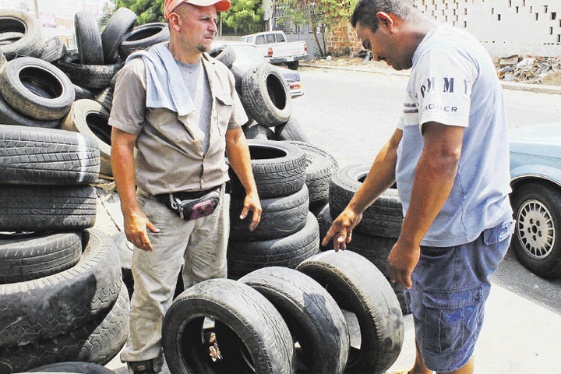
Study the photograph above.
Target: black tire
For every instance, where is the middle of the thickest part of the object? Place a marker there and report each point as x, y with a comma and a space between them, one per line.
281, 216
324, 222
105, 98
537, 235
31, 256
97, 341
247, 314
54, 50
88, 38
291, 130
265, 95
83, 93
313, 317
320, 166
383, 218
226, 55
73, 367
36, 88
289, 251
279, 169
58, 304
47, 208
9, 116
47, 156
361, 289
30, 44
91, 119
143, 36
256, 131
94, 77
293, 65
119, 24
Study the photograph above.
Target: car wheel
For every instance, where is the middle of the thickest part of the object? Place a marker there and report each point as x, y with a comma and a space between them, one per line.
537, 238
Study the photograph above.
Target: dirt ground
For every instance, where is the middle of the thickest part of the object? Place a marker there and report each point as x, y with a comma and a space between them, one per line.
552, 79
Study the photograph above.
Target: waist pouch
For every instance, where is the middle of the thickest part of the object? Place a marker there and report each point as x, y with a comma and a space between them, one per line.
191, 205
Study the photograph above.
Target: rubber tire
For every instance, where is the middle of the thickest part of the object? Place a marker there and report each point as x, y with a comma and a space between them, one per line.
97, 341
21, 76
542, 259
382, 218
289, 251
293, 65
254, 320
119, 24
279, 169
105, 98
291, 130
313, 317
88, 38
324, 221
47, 156
31, 43
54, 305
256, 131
265, 95
320, 166
29, 256
143, 36
73, 367
54, 50
281, 216
91, 119
359, 287
226, 55
94, 77
47, 208
8, 116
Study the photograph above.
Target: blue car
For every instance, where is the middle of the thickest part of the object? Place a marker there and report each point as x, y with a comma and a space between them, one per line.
535, 167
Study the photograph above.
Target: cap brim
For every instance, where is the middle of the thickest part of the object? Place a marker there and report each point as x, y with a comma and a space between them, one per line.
221, 5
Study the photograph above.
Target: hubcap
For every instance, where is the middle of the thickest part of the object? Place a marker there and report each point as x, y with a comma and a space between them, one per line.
535, 229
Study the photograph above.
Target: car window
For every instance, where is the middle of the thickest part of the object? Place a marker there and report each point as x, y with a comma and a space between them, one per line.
270, 38
280, 38
260, 39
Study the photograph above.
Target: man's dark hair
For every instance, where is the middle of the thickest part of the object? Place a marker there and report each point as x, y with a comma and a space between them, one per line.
365, 11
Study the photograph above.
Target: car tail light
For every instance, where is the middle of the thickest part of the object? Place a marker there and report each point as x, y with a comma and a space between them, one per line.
270, 52
305, 47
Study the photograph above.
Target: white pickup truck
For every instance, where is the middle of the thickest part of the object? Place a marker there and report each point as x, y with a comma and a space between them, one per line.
276, 49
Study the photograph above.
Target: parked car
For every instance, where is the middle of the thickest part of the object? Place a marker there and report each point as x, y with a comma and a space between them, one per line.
274, 46
247, 55
535, 167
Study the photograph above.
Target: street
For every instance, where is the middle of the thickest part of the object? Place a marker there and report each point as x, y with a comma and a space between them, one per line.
351, 115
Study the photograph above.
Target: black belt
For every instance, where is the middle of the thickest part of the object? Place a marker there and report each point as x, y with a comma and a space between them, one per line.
183, 195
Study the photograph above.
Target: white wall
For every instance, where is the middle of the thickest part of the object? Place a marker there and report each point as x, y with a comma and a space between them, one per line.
505, 27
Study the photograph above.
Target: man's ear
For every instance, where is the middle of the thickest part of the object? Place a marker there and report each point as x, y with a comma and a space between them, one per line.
385, 20
173, 21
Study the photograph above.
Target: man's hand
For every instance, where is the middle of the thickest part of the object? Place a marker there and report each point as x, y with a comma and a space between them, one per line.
341, 230
136, 225
252, 203
401, 262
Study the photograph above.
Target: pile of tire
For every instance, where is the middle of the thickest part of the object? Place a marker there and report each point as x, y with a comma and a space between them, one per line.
46, 85
288, 233
377, 232
334, 313
60, 278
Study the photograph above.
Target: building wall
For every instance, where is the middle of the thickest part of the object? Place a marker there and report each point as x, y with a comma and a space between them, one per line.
505, 27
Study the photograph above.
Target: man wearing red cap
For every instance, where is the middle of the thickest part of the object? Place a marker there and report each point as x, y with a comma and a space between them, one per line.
178, 107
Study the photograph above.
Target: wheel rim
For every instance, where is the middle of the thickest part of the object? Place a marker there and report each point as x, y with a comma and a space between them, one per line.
535, 229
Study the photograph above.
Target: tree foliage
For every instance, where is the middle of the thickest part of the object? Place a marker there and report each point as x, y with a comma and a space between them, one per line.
321, 15
147, 10
245, 16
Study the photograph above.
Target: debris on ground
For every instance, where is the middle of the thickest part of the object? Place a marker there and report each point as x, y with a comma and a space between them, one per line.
529, 69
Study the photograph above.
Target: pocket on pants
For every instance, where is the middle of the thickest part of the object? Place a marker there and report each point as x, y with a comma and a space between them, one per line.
450, 318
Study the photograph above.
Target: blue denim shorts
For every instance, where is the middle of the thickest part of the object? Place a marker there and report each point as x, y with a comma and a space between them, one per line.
450, 287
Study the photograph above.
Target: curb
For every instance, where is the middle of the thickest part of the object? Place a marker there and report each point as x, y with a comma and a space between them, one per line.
515, 86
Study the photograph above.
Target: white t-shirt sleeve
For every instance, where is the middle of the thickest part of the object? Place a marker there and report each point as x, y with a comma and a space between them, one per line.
442, 85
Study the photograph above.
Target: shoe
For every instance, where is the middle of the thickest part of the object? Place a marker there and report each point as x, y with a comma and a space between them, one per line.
141, 367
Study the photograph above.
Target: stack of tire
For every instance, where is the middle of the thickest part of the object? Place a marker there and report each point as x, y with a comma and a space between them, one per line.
334, 313
380, 226
288, 233
60, 278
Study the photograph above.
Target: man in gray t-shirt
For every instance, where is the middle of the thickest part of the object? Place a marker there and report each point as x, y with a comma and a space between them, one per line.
449, 157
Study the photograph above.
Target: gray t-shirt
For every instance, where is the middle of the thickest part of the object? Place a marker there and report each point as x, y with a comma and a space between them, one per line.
453, 82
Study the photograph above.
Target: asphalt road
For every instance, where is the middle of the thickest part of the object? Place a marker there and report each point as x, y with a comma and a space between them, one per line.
351, 115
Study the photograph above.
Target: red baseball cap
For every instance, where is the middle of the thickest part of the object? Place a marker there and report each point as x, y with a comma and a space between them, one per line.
170, 5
